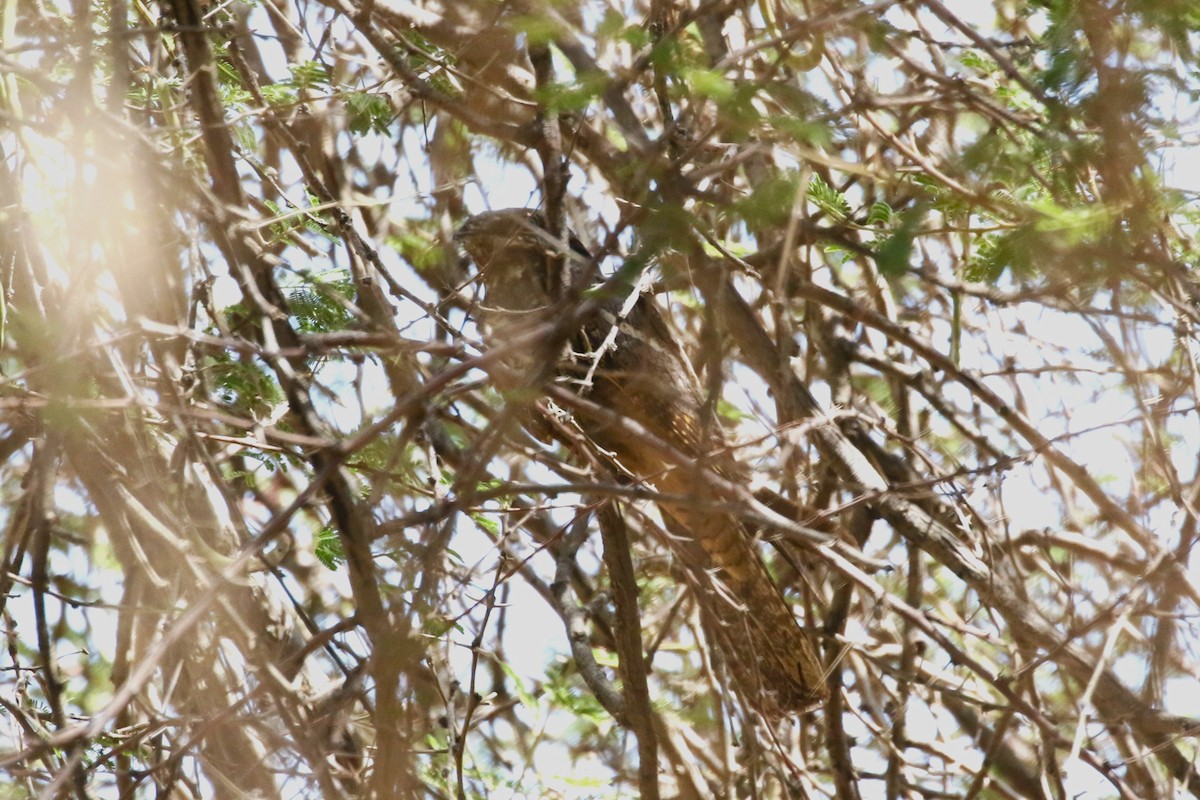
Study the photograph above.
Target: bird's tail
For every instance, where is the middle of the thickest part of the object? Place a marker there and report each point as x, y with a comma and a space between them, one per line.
771, 659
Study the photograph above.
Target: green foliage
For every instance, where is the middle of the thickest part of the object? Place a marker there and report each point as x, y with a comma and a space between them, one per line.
1012, 250
386, 454
323, 305
539, 28
309, 75
328, 548
488, 524
291, 221
1054, 240
564, 689
428, 60
799, 129
279, 94
729, 413
894, 254
242, 385
771, 201
416, 246
367, 113
149, 92
437, 626
707, 83
880, 214
230, 80
611, 24
246, 137
574, 96
636, 36
828, 199
801, 116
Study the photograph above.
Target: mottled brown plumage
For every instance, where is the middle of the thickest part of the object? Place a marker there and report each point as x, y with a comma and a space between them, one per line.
644, 376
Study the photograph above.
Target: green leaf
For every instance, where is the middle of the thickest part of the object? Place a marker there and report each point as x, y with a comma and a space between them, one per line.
729, 412
895, 254
279, 94
538, 28
708, 83
227, 74
605, 658
611, 25
417, 247
488, 524
880, 214
771, 201
367, 113
242, 385
1012, 249
438, 625
527, 699
812, 132
636, 36
828, 199
328, 549
321, 307
573, 96
309, 74
247, 137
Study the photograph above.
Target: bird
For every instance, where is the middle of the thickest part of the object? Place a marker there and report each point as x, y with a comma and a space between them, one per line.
626, 360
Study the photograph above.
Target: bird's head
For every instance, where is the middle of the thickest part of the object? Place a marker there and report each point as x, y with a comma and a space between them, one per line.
511, 247
506, 233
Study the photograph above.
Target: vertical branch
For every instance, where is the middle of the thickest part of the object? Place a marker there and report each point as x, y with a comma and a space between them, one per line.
554, 167
838, 743
629, 646
895, 772
662, 13
459, 745
573, 617
41, 487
